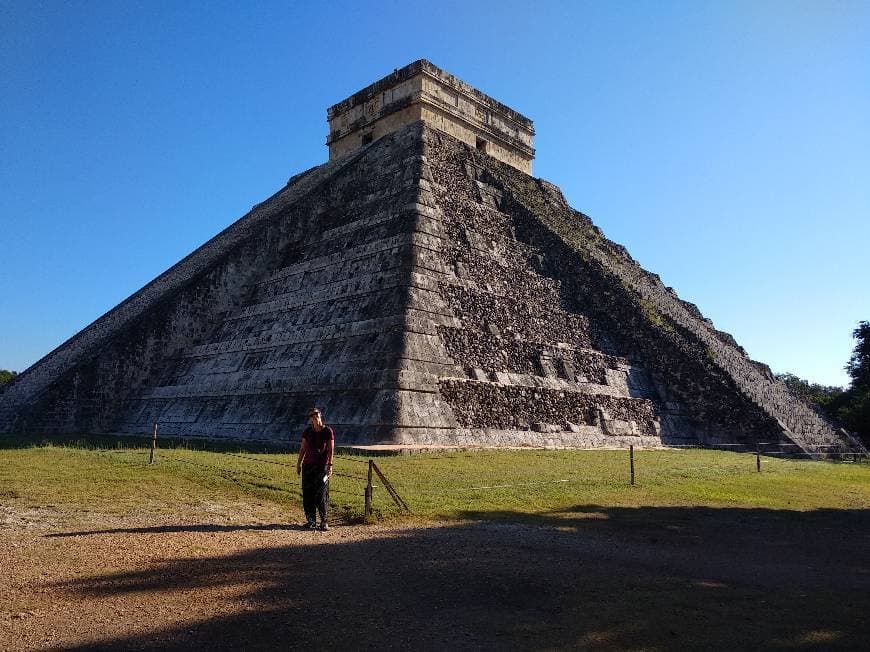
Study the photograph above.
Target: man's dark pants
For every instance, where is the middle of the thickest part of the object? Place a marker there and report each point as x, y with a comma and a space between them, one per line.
315, 492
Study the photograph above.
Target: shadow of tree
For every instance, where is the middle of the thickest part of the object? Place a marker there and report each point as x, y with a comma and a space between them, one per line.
588, 577
165, 529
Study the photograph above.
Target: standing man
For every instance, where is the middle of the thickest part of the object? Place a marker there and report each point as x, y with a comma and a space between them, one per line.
315, 465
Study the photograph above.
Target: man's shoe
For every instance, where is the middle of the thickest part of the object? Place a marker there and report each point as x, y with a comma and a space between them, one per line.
309, 525
324, 527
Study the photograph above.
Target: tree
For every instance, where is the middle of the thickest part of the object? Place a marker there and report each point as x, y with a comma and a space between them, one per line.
6, 376
854, 410
822, 396
858, 366
851, 406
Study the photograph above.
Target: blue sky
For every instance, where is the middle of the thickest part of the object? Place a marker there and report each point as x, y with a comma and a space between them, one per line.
726, 144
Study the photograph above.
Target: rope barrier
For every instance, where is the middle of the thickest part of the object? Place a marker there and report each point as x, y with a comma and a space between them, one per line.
289, 466
230, 473
284, 464
253, 475
740, 448
494, 451
256, 459
495, 486
219, 469
106, 452
341, 491
350, 459
352, 477
118, 450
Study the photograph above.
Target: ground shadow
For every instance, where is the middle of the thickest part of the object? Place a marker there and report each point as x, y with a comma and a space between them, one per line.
588, 577
164, 529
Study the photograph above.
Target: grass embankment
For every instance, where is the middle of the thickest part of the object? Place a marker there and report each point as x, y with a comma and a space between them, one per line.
119, 481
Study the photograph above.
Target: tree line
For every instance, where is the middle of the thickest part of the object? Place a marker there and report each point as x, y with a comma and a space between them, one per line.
850, 406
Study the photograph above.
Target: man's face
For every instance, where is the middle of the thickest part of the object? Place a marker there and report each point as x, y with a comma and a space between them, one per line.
315, 419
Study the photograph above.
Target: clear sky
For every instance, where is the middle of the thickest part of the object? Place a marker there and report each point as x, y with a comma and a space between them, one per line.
725, 144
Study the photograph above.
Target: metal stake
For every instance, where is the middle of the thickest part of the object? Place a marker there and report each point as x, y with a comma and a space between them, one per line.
153, 444
368, 507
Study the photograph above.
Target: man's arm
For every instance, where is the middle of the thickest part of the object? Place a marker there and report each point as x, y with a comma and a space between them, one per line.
330, 445
302, 448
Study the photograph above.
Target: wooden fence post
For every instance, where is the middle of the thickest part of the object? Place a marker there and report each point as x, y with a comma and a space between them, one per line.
153, 444
368, 507
631, 461
758, 458
390, 490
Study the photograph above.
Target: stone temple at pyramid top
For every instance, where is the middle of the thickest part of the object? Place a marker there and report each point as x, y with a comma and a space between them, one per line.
422, 91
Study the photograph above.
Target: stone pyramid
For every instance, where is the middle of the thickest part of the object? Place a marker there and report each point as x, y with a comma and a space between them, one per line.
420, 291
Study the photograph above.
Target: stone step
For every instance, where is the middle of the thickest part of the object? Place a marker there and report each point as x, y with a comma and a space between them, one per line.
331, 260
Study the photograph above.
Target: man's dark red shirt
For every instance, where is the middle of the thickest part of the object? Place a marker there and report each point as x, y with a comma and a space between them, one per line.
320, 445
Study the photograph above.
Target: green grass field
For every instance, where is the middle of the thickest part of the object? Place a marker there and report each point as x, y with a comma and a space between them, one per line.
117, 481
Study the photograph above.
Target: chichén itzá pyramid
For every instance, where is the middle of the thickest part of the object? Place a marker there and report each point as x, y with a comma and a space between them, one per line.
422, 288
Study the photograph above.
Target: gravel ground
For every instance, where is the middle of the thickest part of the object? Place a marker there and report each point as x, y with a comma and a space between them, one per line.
588, 578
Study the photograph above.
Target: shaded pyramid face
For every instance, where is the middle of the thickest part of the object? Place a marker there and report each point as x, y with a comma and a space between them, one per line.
419, 292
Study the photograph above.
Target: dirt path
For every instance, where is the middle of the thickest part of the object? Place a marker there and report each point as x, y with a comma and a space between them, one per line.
597, 578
